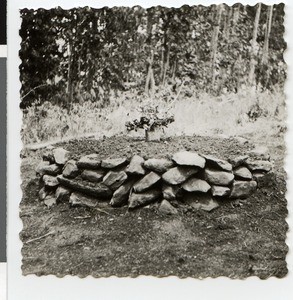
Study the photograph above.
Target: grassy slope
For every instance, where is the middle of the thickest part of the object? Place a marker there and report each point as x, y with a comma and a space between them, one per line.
197, 114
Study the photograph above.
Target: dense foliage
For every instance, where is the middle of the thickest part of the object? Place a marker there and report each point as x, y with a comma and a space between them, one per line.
85, 54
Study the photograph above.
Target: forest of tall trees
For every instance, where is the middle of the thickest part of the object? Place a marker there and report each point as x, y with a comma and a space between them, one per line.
80, 54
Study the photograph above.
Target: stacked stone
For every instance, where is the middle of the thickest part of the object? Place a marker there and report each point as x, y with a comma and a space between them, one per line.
199, 180
53, 164
248, 169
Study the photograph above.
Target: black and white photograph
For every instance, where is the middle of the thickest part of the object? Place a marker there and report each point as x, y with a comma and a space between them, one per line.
153, 141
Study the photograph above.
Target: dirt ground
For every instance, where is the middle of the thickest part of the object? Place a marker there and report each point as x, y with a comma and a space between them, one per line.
239, 239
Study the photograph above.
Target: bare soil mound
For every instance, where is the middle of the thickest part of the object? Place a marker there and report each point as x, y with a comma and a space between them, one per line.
239, 239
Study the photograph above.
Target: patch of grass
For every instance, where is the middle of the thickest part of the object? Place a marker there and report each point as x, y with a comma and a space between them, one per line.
240, 113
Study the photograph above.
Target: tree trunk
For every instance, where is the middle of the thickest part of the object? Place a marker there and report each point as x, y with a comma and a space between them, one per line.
174, 70
69, 78
215, 38
228, 23
147, 135
251, 76
267, 35
150, 80
166, 64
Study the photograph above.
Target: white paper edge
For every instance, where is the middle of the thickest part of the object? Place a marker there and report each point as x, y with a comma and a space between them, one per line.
3, 51
52, 288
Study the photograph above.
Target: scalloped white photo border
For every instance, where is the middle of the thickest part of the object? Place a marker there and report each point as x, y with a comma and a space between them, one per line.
144, 287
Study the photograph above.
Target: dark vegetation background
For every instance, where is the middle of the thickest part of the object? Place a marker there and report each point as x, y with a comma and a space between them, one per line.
86, 63
86, 53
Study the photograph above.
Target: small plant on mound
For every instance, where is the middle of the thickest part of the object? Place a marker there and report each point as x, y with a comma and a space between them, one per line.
150, 119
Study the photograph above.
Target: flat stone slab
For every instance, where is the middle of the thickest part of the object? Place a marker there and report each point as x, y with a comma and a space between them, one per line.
258, 165
214, 162
45, 168
114, 179
135, 166
201, 201
159, 165
242, 173
187, 158
97, 190
146, 182
218, 177
167, 208
90, 161
170, 191
243, 189
142, 199
93, 175
78, 199
178, 175
70, 169
61, 156
238, 161
50, 181
120, 196
62, 194
196, 185
220, 191
112, 163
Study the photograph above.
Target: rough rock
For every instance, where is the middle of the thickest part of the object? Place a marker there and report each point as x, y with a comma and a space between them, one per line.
260, 153
70, 169
120, 196
242, 173
50, 200
90, 161
196, 185
170, 191
243, 189
48, 156
62, 194
40, 167
218, 177
238, 161
43, 193
77, 199
167, 209
146, 182
217, 163
258, 165
114, 179
93, 175
61, 156
220, 191
177, 175
97, 190
142, 199
52, 169
201, 201
112, 163
45, 168
257, 175
135, 166
160, 165
187, 158
50, 181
